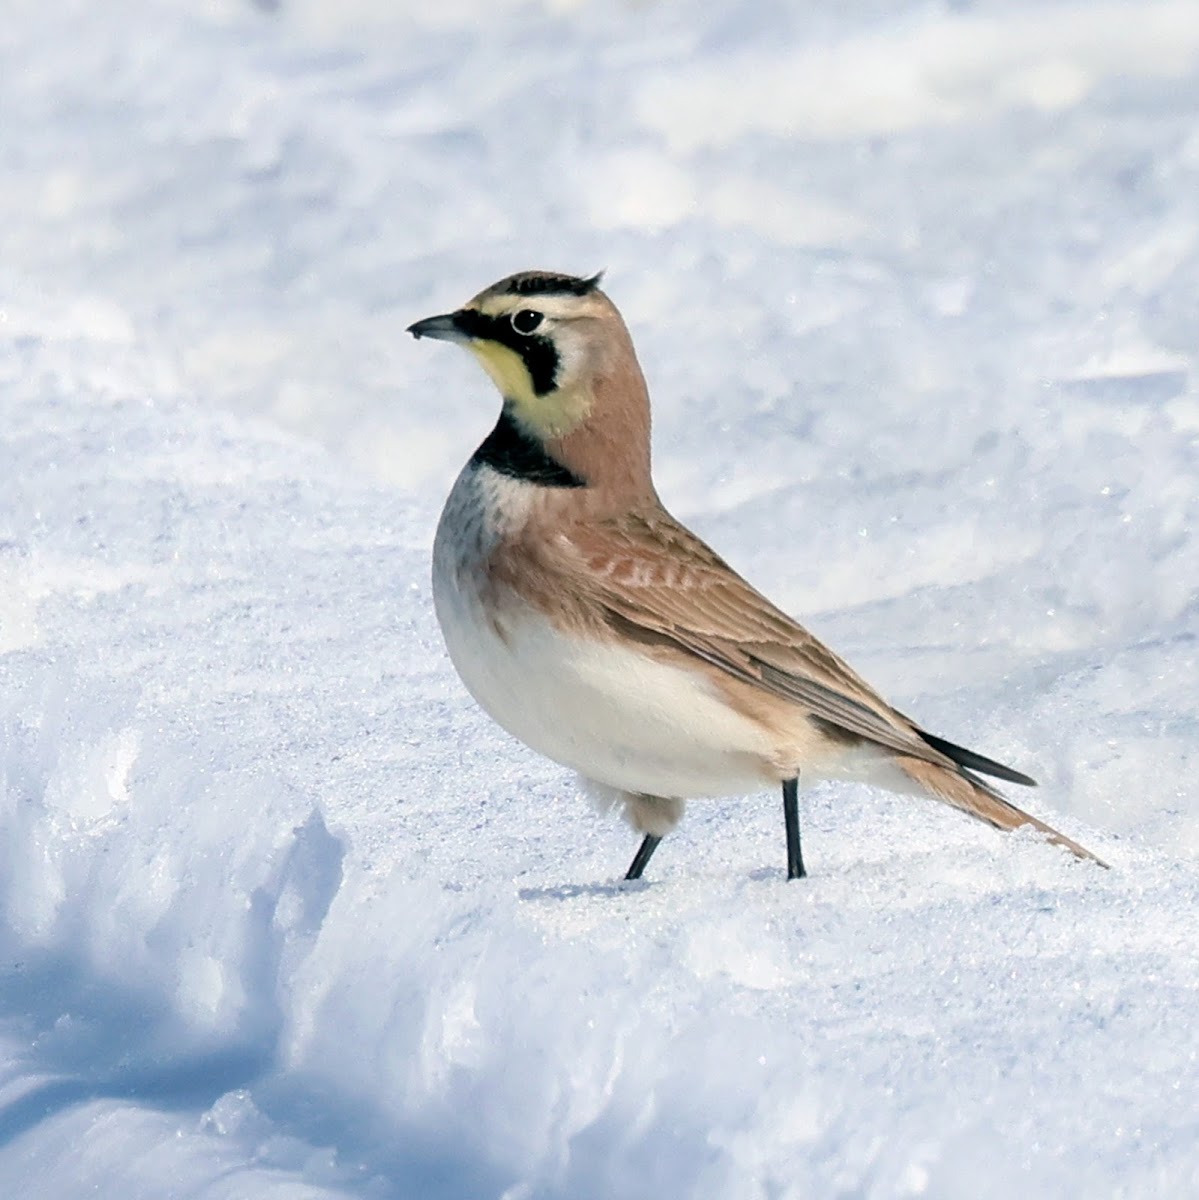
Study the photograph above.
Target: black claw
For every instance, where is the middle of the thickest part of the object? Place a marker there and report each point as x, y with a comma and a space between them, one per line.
644, 853
791, 819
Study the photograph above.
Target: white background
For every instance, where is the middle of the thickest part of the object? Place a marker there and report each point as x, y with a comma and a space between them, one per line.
915, 286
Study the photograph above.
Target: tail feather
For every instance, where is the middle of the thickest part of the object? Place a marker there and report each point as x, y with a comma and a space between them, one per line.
979, 799
975, 762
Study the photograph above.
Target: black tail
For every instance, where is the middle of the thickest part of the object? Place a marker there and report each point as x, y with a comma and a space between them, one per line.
975, 762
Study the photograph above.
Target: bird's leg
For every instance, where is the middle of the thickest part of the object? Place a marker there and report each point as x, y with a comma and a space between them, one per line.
644, 853
791, 819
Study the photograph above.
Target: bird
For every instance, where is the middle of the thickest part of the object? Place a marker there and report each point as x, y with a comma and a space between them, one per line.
597, 629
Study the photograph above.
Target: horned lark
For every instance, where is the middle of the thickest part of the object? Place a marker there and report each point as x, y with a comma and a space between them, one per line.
598, 630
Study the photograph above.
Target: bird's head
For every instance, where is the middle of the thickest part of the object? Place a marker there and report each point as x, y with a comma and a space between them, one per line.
561, 356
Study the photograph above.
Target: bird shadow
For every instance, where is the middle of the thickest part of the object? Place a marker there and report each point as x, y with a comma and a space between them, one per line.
572, 891
767, 875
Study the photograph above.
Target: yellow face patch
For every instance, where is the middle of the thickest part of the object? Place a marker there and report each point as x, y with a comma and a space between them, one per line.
550, 415
506, 368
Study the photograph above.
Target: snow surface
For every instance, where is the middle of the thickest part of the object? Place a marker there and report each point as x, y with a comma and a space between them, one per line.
283, 914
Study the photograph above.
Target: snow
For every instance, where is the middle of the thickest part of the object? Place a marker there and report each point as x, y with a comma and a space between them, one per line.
283, 914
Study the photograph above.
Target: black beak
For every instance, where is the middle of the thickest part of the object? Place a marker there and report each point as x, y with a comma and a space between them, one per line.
446, 328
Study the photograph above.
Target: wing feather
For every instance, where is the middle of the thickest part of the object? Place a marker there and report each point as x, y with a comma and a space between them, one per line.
660, 579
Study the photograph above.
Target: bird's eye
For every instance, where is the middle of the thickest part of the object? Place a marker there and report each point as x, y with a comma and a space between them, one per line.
526, 320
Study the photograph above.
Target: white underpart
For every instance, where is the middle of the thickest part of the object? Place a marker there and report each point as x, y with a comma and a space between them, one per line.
606, 710
646, 814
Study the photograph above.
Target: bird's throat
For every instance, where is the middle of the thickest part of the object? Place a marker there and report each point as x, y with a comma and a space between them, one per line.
514, 452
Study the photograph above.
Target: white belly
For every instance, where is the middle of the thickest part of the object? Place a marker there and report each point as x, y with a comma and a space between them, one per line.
604, 710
